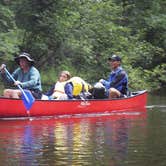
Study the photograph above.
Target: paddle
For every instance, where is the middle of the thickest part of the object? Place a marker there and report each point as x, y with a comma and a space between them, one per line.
26, 95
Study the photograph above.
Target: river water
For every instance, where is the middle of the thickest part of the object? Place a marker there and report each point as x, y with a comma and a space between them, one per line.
135, 139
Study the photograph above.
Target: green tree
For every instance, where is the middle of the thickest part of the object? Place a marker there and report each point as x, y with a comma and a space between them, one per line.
80, 36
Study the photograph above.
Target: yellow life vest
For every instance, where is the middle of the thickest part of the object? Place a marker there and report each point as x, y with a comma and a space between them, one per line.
59, 89
79, 85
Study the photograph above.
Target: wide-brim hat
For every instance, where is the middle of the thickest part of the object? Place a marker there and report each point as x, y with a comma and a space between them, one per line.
24, 55
114, 58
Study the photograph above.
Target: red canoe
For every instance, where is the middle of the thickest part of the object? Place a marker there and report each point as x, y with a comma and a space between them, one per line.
10, 108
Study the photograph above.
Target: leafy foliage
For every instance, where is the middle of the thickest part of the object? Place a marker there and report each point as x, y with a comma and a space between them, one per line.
79, 36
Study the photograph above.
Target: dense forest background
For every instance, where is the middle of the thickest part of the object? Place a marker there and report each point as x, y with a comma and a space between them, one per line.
80, 35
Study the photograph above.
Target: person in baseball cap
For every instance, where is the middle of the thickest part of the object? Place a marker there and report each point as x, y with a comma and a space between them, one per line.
117, 83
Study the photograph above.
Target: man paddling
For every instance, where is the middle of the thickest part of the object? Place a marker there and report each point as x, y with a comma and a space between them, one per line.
26, 75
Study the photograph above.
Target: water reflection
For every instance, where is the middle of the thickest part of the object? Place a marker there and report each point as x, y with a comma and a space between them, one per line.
91, 140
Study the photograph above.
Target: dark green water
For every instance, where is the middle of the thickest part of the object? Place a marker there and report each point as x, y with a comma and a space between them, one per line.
99, 140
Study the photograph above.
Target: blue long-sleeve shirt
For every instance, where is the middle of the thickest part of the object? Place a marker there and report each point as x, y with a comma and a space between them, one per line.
69, 90
118, 79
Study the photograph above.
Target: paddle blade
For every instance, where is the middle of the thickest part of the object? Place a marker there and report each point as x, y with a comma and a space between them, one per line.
28, 99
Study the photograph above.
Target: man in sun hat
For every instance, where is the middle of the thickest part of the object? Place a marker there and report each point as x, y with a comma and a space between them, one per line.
26, 56
117, 83
26, 75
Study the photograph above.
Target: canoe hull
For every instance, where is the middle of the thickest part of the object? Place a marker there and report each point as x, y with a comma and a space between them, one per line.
16, 108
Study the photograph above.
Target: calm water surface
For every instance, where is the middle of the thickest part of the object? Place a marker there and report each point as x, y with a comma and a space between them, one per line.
132, 139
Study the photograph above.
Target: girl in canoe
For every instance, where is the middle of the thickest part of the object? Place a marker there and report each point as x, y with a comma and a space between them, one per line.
57, 90
67, 88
